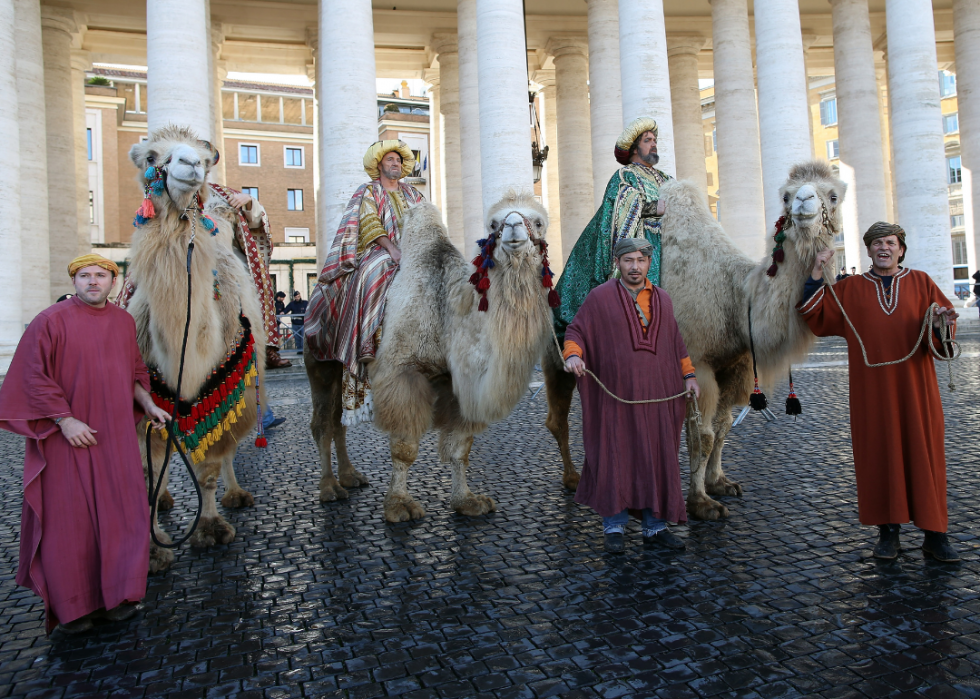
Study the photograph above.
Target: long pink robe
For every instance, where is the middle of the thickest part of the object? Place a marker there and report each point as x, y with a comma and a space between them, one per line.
631, 451
85, 521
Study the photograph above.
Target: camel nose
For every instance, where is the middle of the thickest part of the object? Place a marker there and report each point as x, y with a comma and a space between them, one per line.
806, 202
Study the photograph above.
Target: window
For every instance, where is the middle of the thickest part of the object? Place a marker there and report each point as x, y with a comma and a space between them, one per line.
828, 112
956, 221
833, 150
959, 251
88, 136
947, 84
951, 123
714, 140
91, 206
954, 173
251, 191
294, 157
297, 235
248, 154
294, 199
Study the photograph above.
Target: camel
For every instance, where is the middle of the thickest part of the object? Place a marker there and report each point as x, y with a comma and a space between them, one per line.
713, 285
173, 166
443, 363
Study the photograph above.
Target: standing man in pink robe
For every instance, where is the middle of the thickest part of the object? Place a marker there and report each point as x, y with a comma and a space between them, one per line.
625, 333
75, 389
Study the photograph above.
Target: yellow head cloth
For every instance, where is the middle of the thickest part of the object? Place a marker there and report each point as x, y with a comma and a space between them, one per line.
633, 131
379, 149
89, 260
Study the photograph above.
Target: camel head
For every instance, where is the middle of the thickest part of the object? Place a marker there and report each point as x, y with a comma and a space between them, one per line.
812, 203
173, 164
508, 221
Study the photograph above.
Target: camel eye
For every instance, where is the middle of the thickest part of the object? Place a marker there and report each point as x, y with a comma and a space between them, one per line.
495, 225
786, 198
151, 158
538, 223
833, 198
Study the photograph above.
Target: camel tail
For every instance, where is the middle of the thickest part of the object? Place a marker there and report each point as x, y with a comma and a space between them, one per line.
403, 400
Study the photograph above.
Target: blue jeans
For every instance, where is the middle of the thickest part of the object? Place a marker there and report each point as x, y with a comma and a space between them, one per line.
267, 418
617, 523
298, 333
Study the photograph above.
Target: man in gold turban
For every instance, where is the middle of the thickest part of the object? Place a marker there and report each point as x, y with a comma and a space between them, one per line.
343, 318
75, 390
630, 209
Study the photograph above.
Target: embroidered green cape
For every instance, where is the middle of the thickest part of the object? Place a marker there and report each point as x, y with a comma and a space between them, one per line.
620, 216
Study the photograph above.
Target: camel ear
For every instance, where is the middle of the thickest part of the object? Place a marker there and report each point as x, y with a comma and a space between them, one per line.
139, 155
215, 156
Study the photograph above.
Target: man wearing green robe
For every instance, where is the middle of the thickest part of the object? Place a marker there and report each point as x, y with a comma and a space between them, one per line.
630, 209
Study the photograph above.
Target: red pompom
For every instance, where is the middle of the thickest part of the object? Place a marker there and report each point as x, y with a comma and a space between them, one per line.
779, 223
147, 210
772, 270
483, 285
261, 441
553, 299
477, 261
546, 282
475, 278
778, 255
484, 304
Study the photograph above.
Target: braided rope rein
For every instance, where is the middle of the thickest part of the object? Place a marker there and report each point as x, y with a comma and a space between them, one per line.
927, 321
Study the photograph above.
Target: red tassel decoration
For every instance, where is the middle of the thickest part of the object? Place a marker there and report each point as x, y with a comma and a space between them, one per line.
778, 255
772, 270
553, 299
147, 210
483, 285
484, 304
261, 441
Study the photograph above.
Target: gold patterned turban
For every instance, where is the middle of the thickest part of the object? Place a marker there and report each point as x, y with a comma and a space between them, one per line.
628, 245
883, 230
90, 260
379, 149
633, 131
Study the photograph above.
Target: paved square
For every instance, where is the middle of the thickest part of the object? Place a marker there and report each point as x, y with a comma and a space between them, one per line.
782, 599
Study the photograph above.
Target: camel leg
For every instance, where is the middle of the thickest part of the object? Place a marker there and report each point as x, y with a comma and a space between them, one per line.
160, 558
454, 447
559, 389
165, 501
235, 496
715, 481
325, 386
699, 504
399, 505
212, 528
347, 475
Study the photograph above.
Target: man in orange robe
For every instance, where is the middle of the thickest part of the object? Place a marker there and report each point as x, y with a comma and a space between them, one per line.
897, 426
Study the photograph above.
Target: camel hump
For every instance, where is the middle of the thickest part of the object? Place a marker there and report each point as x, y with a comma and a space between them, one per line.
424, 238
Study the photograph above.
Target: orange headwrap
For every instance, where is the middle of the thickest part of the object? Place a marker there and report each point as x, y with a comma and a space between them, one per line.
90, 260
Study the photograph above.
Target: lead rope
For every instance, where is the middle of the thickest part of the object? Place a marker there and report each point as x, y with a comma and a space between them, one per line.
927, 321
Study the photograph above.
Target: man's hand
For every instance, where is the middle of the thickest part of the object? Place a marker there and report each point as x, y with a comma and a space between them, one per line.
822, 258
396, 254
575, 365
158, 416
948, 313
77, 433
661, 207
240, 200
692, 385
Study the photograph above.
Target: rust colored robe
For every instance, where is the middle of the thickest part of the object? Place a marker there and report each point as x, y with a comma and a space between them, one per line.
897, 428
85, 523
631, 451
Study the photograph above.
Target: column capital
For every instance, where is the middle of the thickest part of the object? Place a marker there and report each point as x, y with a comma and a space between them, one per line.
59, 19
431, 76
81, 60
809, 39
217, 37
546, 79
310, 72
312, 39
567, 45
445, 42
681, 44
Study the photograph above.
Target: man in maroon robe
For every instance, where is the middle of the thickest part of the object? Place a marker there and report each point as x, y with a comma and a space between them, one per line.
626, 334
75, 389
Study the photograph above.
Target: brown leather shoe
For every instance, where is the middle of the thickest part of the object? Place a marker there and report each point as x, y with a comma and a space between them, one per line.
273, 360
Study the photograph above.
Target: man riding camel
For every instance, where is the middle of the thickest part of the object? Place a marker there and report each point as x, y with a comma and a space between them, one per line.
343, 319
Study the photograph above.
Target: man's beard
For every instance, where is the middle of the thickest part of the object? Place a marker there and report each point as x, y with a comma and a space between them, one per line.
392, 173
650, 158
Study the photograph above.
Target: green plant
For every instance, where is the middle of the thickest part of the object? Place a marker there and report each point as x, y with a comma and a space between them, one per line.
99, 80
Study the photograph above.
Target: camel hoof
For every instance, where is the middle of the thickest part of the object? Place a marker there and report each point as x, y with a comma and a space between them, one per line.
353, 479
705, 508
165, 502
723, 487
237, 498
212, 531
402, 508
474, 505
570, 480
160, 558
331, 490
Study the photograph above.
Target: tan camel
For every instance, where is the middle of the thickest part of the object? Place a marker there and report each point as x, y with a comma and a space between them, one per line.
443, 363
713, 285
177, 162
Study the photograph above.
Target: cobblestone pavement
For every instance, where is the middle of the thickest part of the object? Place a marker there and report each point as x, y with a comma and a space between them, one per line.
781, 599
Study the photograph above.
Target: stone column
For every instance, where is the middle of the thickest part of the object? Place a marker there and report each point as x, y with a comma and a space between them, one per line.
685, 101
551, 177
858, 126
57, 26
81, 62
921, 198
349, 124
574, 135
605, 92
966, 34
35, 264
469, 127
505, 137
881, 77
643, 69
444, 44
737, 128
783, 112
178, 89
11, 316
218, 75
435, 136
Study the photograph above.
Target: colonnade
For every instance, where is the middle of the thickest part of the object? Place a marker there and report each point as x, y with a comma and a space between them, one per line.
624, 65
